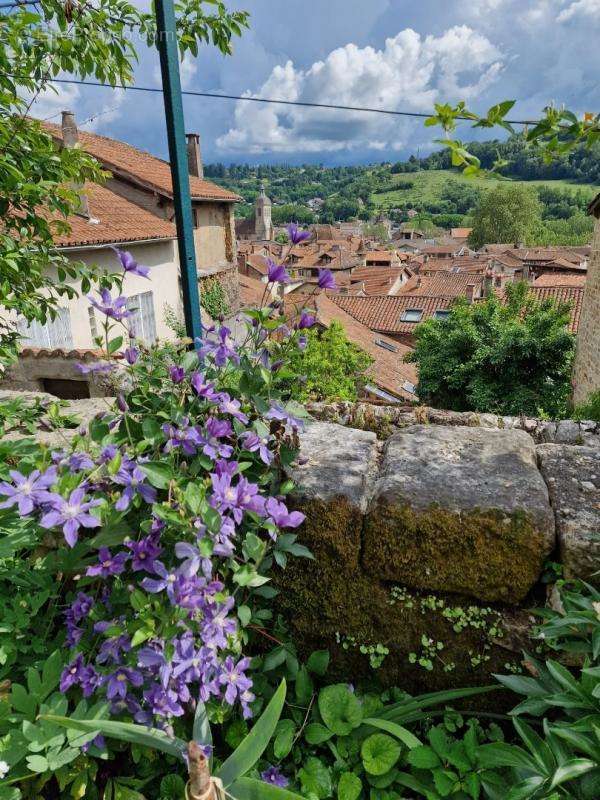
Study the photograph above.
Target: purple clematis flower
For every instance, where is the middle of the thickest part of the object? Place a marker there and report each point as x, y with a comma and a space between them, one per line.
97, 367
111, 649
254, 443
108, 565
222, 350
295, 234
77, 673
276, 273
27, 492
275, 777
131, 355
236, 499
306, 320
232, 407
116, 684
108, 453
116, 308
326, 279
177, 374
166, 581
279, 413
302, 342
218, 625
185, 438
71, 514
204, 390
215, 430
163, 702
130, 265
234, 680
81, 606
280, 516
144, 553
135, 483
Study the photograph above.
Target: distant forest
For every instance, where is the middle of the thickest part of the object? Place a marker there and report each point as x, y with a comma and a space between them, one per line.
312, 192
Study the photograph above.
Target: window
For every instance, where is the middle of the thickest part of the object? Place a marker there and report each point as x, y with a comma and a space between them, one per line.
55, 333
412, 315
386, 345
142, 322
441, 313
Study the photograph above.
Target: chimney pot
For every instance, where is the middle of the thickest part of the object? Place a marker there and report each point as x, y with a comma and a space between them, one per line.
195, 165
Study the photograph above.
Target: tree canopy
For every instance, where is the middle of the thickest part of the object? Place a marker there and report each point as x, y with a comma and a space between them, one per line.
507, 358
508, 213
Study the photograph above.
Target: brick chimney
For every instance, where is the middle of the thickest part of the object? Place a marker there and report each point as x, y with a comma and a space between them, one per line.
195, 165
70, 137
470, 292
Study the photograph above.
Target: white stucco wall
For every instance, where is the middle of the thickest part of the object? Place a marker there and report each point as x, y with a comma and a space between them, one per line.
160, 256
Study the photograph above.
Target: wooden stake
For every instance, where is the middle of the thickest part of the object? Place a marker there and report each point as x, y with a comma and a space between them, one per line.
200, 785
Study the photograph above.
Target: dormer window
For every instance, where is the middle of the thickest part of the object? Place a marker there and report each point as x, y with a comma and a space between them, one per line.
412, 315
442, 313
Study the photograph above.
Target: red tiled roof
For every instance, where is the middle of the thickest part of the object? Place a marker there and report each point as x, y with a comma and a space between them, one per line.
118, 221
453, 265
85, 354
383, 313
443, 284
460, 233
377, 280
252, 291
563, 294
140, 167
560, 279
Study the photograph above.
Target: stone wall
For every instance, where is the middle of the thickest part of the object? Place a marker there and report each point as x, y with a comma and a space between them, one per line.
228, 278
586, 371
430, 533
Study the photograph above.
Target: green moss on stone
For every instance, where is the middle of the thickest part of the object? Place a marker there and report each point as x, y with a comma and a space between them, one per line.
487, 554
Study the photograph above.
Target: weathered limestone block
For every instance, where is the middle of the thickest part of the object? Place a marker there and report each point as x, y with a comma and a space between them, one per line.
459, 509
334, 477
573, 478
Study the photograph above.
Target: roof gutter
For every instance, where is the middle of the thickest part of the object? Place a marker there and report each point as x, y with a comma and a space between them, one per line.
102, 246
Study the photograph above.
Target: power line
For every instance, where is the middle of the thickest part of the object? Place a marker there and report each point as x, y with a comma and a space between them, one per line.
333, 106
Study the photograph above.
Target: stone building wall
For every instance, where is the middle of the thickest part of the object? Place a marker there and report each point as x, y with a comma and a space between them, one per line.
228, 278
586, 373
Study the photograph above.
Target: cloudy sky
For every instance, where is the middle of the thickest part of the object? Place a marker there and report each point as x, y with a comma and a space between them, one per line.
390, 54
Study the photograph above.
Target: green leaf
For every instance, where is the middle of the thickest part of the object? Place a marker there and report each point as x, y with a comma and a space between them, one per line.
124, 732
445, 780
314, 777
254, 745
379, 753
201, 731
284, 738
423, 757
315, 733
349, 786
304, 687
340, 709
252, 789
37, 763
318, 661
405, 736
158, 474
115, 344
172, 787
572, 769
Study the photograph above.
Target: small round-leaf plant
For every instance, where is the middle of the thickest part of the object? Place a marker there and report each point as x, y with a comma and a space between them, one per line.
172, 510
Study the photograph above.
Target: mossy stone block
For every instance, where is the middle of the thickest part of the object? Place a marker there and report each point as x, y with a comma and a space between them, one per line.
460, 510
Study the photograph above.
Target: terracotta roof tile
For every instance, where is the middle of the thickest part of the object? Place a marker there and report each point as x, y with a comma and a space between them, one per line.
117, 220
560, 279
383, 313
443, 284
252, 291
140, 167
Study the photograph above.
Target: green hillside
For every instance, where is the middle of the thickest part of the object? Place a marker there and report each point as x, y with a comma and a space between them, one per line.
424, 188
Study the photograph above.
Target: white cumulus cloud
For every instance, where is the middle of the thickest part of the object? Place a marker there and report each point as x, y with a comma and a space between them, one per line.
580, 8
410, 73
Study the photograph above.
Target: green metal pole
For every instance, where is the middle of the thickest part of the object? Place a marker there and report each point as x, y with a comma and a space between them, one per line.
169, 66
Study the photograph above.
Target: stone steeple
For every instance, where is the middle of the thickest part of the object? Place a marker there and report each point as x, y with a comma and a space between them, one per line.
263, 227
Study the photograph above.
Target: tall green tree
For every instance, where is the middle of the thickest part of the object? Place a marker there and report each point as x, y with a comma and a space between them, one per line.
508, 213
506, 358
37, 42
